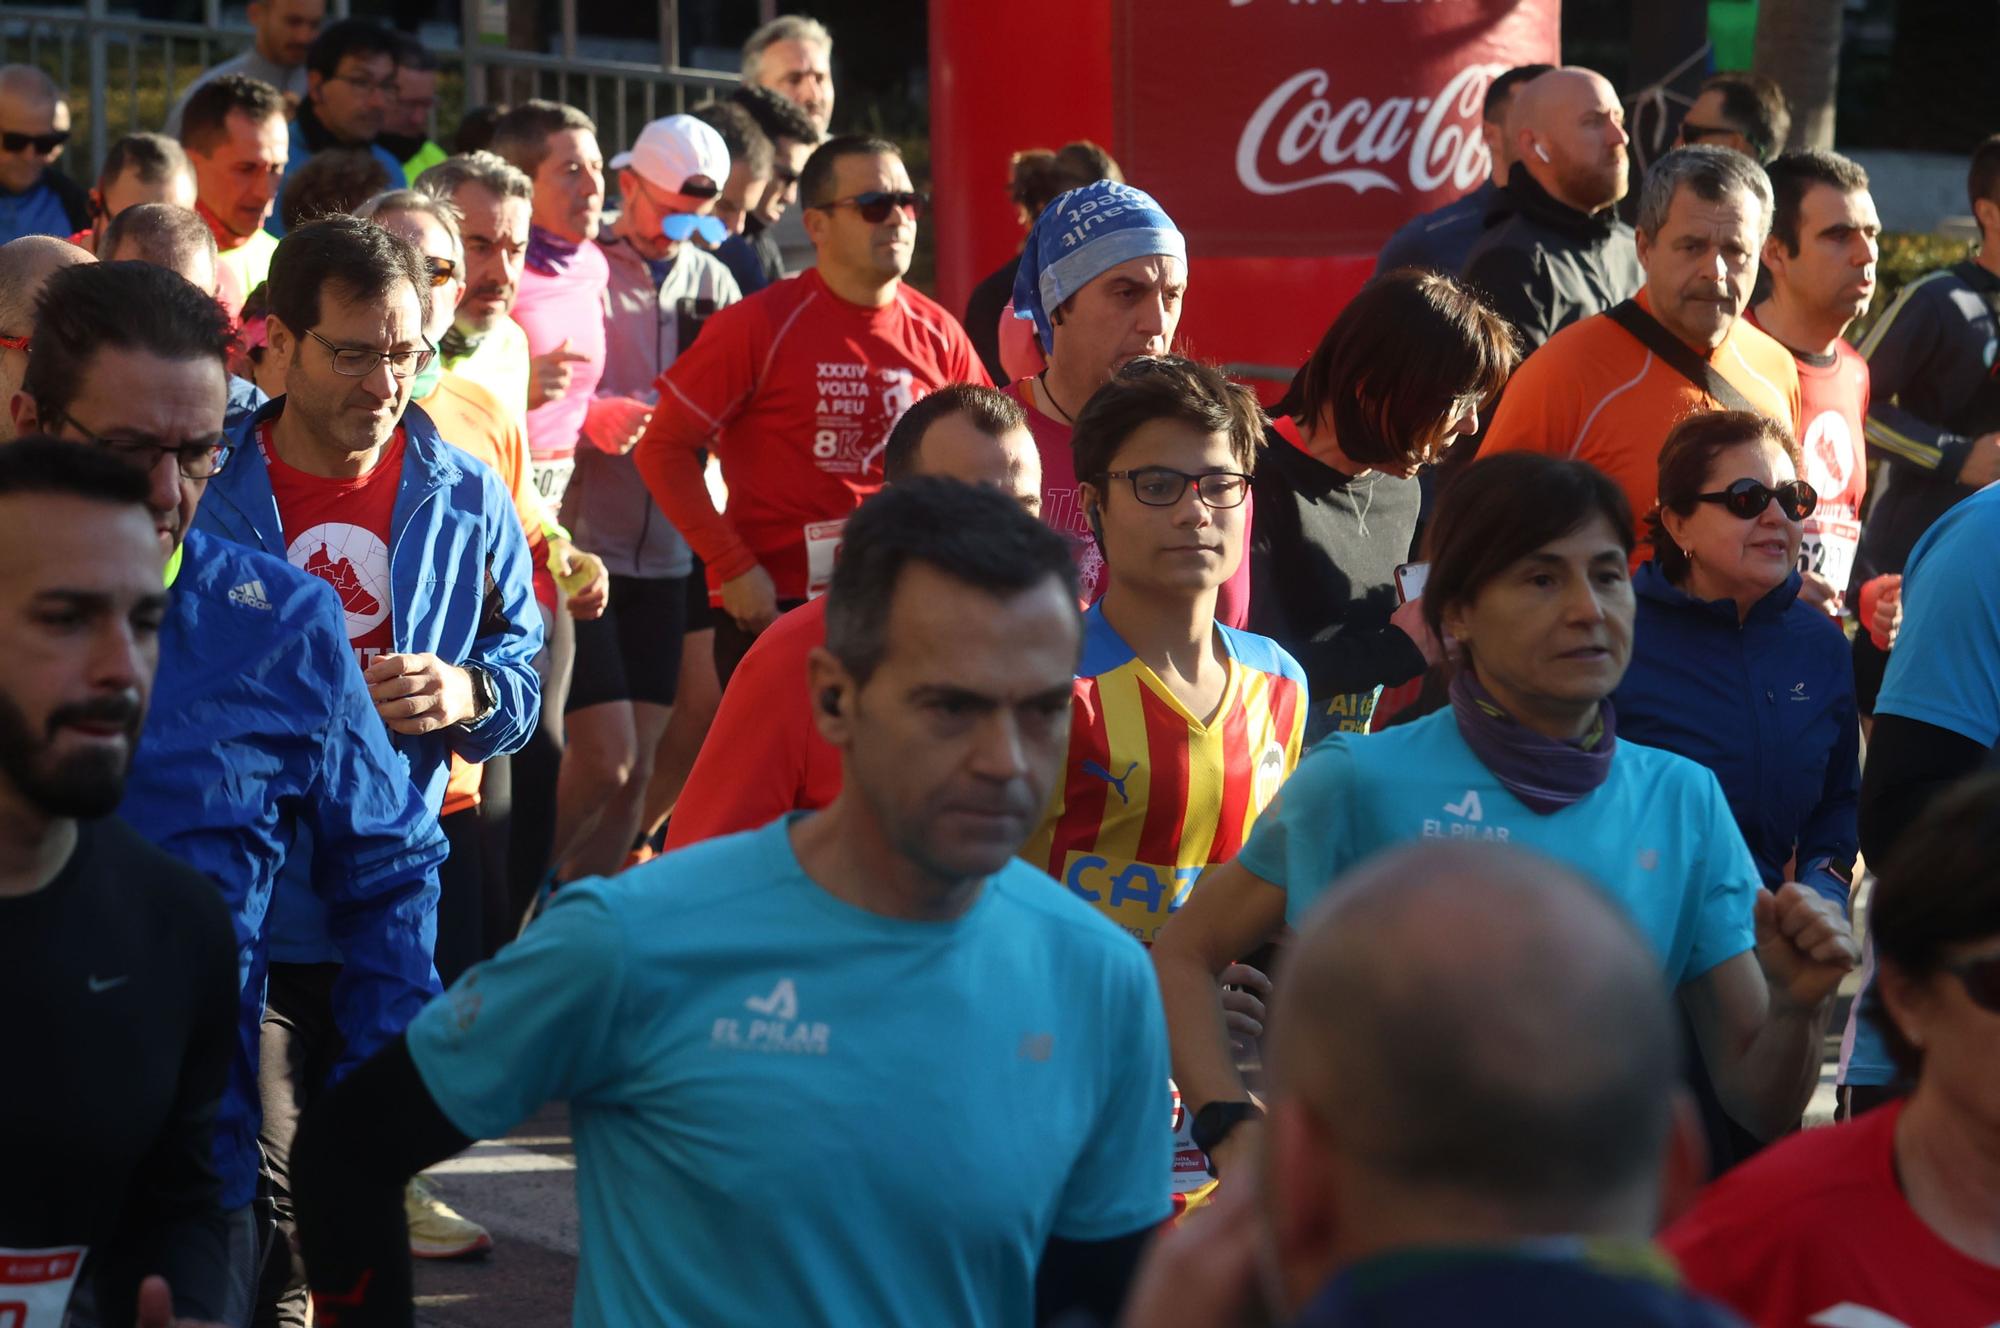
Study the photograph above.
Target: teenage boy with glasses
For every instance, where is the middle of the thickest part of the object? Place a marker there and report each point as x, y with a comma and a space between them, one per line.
795, 390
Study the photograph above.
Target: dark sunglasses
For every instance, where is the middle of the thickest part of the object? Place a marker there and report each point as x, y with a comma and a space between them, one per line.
696, 187
1981, 977
43, 144
876, 205
442, 270
1747, 499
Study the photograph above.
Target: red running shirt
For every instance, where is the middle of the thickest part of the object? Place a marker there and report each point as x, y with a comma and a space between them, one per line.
763, 755
1834, 389
338, 530
794, 390
1815, 1231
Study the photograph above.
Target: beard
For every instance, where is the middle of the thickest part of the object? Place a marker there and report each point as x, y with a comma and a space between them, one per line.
83, 784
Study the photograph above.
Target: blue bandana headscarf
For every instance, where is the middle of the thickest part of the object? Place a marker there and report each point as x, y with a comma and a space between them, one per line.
1079, 237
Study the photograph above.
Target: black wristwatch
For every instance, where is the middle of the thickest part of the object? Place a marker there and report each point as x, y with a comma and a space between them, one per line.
484, 695
1213, 1123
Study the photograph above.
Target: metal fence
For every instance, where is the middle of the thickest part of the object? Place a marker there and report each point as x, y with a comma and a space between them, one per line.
124, 73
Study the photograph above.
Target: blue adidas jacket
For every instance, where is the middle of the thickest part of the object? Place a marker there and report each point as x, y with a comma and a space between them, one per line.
460, 588
259, 726
1768, 705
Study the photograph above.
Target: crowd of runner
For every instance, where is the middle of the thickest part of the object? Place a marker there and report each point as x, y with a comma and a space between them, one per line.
637, 658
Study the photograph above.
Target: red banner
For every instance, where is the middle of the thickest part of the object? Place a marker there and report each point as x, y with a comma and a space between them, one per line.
1281, 128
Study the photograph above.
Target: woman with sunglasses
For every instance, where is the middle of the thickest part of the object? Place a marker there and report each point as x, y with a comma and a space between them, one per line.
1894, 1217
1729, 666
1528, 559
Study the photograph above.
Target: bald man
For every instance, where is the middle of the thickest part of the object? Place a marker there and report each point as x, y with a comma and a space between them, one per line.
25, 265
1561, 253
1474, 1123
35, 197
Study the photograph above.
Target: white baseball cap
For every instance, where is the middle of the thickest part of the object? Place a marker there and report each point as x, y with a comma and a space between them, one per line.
671, 150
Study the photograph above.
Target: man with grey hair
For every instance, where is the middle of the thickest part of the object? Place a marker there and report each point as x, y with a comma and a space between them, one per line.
26, 265
1554, 250
793, 56
494, 202
35, 197
1608, 389
1433, 1155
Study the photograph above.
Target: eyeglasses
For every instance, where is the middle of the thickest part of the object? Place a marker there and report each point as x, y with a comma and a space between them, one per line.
1161, 486
19, 343
1747, 499
697, 187
442, 270
200, 459
365, 85
681, 225
875, 205
1981, 976
43, 144
360, 361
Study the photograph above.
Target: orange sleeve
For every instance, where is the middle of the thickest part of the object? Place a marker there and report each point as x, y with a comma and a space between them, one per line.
752, 767
699, 394
527, 503
1525, 420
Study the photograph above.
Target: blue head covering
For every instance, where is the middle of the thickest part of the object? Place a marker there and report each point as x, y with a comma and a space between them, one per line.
1079, 237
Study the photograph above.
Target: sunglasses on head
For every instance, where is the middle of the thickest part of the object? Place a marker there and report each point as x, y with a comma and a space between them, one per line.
682, 225
1747, 499
1981, 976
43, 144
876, 205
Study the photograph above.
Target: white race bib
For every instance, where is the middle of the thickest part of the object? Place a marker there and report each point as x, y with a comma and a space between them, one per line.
822, 549
35, 1286
1828, 548
551, 481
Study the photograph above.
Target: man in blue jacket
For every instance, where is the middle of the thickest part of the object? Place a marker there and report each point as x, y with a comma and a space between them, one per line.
259, 729
350, 81
350, 483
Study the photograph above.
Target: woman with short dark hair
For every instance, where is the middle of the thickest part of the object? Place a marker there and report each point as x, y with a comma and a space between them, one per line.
1529, 559
1398, 378
1893, 1217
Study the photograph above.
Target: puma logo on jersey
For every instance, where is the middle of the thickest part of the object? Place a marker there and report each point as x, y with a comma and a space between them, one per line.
1115, 781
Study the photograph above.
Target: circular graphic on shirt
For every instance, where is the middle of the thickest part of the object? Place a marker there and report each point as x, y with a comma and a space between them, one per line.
1829, 452
355, 562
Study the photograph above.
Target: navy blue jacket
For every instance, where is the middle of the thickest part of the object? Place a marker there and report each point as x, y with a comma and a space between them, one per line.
459, 582
1442, 238
1501, 1288
1767, 704
259, 728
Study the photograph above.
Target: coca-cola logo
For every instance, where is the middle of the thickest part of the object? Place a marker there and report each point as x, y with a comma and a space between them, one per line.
1297, 129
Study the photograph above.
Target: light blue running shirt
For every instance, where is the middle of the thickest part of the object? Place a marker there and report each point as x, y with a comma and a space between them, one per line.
791, 1111
1656, 835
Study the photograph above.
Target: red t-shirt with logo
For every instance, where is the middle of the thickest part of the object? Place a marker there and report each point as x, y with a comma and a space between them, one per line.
1834, 389
1816, 1231
338, 530
794, 390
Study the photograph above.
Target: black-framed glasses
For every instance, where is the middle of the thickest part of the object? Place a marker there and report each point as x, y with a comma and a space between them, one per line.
365, 85
1747, 499
1162, 486
43, 144
442, 270
1981, 976
876, 205
198, 459
360, 361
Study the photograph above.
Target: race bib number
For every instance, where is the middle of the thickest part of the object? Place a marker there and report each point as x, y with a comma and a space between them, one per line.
822, 549
35, 1286
1189, 1183
1828, 548
551, 481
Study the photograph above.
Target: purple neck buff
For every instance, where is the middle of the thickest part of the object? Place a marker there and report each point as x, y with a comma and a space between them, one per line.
549, 253
1545, 774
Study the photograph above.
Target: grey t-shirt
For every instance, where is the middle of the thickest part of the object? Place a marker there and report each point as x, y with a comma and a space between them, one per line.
290, 80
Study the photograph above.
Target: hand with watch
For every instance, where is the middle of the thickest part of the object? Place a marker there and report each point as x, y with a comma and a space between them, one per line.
420, 693
1227, 1132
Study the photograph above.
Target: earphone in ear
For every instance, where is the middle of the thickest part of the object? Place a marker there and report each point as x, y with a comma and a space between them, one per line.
1541, 152
829, 701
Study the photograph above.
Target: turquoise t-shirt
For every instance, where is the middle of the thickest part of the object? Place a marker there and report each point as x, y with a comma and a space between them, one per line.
1657, 834
791, 1111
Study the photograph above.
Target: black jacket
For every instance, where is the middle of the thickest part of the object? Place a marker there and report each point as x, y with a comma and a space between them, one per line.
75, 199
1544, 265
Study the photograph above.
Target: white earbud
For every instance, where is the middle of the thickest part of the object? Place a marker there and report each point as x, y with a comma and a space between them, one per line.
1541, 152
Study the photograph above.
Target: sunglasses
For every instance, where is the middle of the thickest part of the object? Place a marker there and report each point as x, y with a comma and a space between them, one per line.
43, 144
1747, 499
695, 187
442, 270
682, 225
876, 205
1981, 976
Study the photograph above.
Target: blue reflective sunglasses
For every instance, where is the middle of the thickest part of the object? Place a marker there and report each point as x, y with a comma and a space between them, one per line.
683, 225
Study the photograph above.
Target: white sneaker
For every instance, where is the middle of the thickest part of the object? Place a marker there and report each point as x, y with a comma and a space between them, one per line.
436, 1232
